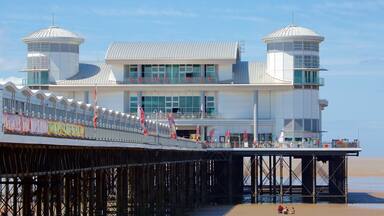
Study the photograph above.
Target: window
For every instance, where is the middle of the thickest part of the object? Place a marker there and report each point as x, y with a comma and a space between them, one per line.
308, 61
298, 61
307, 76
210, 104
133, 104
288, 124
210, 71
298, 45
298, 124
53, 47
298, 76
307, 124
288, 46
315, 125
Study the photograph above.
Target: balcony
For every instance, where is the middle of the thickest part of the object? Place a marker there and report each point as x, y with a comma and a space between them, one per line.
26, 82
166, 80
196, 115
319, 82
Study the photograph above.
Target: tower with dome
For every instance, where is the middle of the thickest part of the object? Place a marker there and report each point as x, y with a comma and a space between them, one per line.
53, 54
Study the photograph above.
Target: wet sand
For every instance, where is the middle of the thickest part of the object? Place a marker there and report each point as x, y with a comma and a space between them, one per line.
365, 167
363, 200
306, 210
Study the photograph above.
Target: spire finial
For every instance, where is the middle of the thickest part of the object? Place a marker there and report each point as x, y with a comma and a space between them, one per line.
293, 18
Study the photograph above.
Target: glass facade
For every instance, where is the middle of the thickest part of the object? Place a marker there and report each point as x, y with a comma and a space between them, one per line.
177, 73
306, 77
39, 77
173, 104
53, 47
293, 46
308, 125
306, 61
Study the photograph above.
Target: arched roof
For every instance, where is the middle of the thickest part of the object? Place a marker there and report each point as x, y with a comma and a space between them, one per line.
292, 32
53, 34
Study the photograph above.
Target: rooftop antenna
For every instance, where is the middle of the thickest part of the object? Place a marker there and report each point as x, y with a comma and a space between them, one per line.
293, 18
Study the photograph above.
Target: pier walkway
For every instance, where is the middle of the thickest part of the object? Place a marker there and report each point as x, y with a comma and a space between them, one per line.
56, 158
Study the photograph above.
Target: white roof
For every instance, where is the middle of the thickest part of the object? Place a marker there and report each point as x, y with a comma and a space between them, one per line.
172, 51
254, 73
293, 32
90, 74
53, 34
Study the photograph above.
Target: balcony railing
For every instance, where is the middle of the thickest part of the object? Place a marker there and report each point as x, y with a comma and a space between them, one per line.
33, 82
319, 82
166, 80
196, 115
267, 144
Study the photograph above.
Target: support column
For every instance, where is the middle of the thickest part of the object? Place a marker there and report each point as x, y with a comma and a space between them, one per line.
122, 191
237, 170
308, 178
337, 179
261, 163
281, 160
100, 194
27, 196
253, 179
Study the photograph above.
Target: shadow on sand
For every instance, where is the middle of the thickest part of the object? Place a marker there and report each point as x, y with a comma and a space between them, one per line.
363, 198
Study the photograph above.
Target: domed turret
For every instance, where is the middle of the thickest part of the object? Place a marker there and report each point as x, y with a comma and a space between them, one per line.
293, 54
53, 54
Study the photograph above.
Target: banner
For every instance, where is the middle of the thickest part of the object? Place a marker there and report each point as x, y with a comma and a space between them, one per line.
25, 125
65, 129
38, 126
12, 123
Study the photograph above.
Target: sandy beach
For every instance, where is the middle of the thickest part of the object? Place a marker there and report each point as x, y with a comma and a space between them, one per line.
366, 198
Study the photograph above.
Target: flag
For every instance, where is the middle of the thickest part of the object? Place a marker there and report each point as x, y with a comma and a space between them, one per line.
95, 115
227, 136
141, 114
212, 135
172, 126
197, 132
245, 136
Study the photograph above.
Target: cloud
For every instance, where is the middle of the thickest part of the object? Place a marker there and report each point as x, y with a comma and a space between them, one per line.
15, 80
144, 12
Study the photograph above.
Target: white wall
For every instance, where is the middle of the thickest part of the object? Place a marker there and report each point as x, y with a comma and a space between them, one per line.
117, 72
280, 65
235, 105
264, 105
63, 65
294, 104
225, 72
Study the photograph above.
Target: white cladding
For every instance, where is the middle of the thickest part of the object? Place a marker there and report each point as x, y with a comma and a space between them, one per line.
280, 65
62, 65
235, 105
234, 92
225, 72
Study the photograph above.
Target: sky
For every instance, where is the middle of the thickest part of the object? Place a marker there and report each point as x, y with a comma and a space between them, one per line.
352, 51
